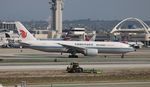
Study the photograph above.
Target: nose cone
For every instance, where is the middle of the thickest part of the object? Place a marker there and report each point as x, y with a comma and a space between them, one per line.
131, 49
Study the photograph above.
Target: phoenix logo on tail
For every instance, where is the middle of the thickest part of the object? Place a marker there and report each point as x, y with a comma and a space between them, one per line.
23, 33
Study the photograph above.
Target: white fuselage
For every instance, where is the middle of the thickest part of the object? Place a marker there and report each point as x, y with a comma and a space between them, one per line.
102, 47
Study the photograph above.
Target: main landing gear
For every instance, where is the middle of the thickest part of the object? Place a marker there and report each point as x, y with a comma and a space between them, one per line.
122, 56
73, 56
72, 53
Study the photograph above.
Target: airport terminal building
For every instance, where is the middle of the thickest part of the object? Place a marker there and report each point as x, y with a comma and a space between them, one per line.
133, 30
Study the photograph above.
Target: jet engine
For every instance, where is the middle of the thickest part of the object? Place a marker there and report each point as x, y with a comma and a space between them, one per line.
91, 52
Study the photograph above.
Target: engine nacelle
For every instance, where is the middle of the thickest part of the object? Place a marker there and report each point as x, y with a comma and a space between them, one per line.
91, 52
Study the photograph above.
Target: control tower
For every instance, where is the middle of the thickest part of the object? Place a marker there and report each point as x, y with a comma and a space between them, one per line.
56, 7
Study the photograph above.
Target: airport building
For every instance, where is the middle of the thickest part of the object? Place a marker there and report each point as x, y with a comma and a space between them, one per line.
77, 31
8, 27
132, 30
56, 7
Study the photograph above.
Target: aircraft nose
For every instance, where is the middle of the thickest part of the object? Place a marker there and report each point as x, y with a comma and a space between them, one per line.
132, 49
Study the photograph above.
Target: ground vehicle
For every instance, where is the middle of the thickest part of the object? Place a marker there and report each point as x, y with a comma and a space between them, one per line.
74, 68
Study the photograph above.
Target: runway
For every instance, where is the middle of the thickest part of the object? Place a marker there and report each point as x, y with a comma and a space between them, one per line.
13, 59
106, 84
63, 67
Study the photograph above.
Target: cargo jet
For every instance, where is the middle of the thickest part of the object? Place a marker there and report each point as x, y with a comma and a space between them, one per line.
87, 48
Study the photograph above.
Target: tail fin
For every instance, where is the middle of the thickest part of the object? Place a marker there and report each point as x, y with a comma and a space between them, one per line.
90, 37
25, 35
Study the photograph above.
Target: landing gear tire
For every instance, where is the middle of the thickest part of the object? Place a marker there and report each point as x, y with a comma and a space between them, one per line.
73, 56
122, 56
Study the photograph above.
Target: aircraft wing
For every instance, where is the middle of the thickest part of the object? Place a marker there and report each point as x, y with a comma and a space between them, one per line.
72, 47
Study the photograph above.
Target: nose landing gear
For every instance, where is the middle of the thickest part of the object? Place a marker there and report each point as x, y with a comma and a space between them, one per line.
122, 56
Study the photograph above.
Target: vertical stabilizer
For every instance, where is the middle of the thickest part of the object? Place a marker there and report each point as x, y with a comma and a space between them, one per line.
25, 35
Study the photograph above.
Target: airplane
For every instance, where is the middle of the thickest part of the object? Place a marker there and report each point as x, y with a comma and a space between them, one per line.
87, 48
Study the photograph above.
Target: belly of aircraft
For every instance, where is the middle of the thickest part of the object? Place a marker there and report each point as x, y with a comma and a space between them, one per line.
48, 49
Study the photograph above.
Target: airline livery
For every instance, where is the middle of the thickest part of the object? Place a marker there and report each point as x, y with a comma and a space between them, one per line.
87, 48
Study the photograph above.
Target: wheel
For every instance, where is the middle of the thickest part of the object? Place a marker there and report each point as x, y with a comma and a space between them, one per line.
73, 56
70, 56
122, 56
73, 71
81, 70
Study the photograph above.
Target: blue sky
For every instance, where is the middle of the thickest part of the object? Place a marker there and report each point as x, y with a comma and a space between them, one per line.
76, 9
